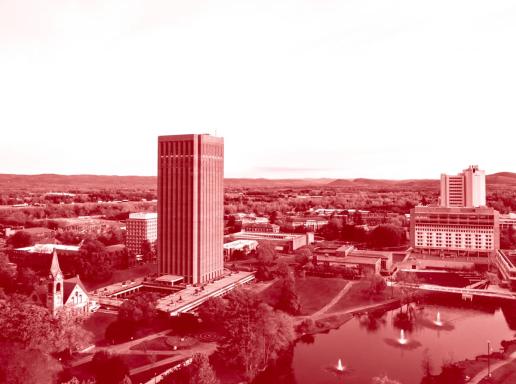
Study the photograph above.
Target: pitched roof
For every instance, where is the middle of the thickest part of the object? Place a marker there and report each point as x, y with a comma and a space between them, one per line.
69, 285
54, 267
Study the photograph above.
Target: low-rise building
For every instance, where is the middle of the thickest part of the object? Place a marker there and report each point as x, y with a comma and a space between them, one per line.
285, 242
508, 221
386, 258
244, 246
363, 265
86, 224
313, 223
37, 234
506, 263
454, 231
39, 256
260, 227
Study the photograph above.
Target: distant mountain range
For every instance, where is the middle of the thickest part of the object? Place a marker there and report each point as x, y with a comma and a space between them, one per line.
497, 179
55, 182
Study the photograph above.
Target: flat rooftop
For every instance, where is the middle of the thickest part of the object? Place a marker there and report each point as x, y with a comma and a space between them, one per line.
240, 243
374, 254
170, 279
143, 215
348, 260
266, 235
49, 248
191, 297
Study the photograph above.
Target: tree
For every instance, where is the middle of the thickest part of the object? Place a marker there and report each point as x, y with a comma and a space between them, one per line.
377, 285
148, 251
387, 235
109, 369
7, 274
211, 312
112, 237
288, 300
20, 239
333, 230
92, 262
139, 309
508, 238
201, 371
254, 334
119, 331
303, 256
69, 237
33, 327
27, 280
265, 253
29, 337
21, 365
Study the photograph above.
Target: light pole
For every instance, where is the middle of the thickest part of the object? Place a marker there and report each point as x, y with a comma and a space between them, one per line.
488, 361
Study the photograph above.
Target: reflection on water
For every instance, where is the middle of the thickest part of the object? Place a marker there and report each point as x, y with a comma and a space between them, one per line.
370, 344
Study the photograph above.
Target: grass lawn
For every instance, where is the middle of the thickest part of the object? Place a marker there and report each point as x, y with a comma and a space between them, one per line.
149, 374
357, 297
166, 343
135, 361
313, 292
97, 323
157, 344
505, 374
124, 274
85, 371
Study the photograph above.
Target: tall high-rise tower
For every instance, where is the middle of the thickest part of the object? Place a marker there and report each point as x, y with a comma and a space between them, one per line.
191, 206
465, 190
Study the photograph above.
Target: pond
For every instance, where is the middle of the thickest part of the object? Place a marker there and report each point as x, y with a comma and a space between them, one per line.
369, 345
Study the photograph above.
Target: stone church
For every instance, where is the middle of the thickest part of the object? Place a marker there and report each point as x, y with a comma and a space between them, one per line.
68, 295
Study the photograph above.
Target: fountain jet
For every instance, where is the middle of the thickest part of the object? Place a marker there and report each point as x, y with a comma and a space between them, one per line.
437, 320
340, 367
402, 340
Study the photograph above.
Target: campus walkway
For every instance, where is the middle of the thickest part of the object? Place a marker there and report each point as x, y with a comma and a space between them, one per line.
477, 379
318, 314
118, 348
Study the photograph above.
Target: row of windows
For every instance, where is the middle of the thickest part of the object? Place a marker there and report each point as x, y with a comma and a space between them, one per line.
449, 245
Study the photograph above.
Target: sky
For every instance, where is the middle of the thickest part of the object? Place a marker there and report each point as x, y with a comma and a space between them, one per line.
298, 89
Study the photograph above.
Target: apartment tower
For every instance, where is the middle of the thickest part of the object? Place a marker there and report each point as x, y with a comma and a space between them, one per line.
141, 227
191, 207
465, 190
462, 225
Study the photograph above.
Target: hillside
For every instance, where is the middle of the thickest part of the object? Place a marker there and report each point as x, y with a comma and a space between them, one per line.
501, 179
379, 183
275, 183
53, 182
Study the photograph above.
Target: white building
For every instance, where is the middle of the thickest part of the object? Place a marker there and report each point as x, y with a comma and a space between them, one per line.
461, 231
141, 227
507, 221
245, 246
465, 190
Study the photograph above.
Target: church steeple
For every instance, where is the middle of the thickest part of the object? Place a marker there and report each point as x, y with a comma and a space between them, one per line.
55, 269
55, 286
